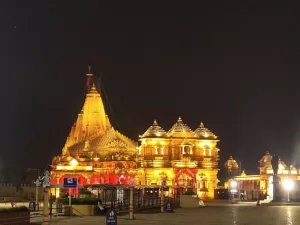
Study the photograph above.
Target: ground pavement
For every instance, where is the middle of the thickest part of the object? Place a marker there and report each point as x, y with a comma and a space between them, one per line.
236, 214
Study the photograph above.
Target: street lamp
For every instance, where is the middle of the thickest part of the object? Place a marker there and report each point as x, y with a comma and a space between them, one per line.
288, 185
233, 186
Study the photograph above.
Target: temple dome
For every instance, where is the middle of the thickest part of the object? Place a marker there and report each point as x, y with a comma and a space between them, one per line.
154, 131
266, 160
203, 132
180, 129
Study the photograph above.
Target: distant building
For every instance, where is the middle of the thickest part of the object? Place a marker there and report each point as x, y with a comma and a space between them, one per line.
262, 183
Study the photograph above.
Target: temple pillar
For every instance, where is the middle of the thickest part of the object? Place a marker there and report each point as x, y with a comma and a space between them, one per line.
276, 189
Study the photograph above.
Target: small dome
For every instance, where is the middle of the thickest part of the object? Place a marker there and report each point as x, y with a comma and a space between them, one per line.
154, 131
180, 128
265, 160
203, 132
231, 164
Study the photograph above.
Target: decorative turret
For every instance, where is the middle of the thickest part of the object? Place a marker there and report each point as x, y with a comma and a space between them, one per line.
154, 131
180, 129
231, 164
266, 160
204, 133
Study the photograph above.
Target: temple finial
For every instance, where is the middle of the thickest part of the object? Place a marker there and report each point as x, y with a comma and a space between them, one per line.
89, 74
89, 79
155, 123
179, 119
93, 89
201, 125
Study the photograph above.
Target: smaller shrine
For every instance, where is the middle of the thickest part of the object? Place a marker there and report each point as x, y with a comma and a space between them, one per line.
262, 184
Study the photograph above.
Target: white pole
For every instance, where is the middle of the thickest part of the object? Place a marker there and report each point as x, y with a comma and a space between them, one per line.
46, 208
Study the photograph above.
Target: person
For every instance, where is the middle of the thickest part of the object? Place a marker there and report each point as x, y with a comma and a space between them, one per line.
13, 204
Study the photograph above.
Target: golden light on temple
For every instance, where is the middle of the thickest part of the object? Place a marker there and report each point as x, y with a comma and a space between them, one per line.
73, 162
186, 159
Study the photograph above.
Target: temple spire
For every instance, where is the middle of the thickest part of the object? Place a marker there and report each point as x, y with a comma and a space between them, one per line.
92, 119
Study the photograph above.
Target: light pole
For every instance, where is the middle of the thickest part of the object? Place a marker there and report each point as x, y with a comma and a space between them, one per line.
288, 186
233, 186
131, 210
162, 196
46, 185
37, 185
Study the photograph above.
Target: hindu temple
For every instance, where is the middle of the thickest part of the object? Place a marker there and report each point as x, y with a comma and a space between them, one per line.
96, 153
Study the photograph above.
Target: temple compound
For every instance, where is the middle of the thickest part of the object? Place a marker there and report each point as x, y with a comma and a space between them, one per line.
95, 153
262, 184
183, 158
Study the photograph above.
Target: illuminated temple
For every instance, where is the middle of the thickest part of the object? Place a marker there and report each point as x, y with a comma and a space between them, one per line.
184, 158
262, 183
96, 153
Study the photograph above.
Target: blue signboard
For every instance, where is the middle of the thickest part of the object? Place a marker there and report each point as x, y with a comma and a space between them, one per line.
169, 207
111, 217
70, 182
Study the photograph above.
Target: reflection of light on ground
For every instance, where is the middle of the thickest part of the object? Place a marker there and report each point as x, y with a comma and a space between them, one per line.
8, 204
289, 220
234, 216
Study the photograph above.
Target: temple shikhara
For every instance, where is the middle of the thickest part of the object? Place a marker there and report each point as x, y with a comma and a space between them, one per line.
96, 153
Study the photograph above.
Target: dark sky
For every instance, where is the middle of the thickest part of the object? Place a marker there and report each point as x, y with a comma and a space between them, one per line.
233, 66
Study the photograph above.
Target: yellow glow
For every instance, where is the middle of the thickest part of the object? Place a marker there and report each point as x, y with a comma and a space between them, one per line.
73, 162
288, 184
84, 168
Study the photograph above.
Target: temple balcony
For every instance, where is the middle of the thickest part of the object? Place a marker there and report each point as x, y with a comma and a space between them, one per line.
155, 164
183, 164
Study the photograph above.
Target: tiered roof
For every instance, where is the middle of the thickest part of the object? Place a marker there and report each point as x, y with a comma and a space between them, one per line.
92, 130
154, 131
203, 132
179, 129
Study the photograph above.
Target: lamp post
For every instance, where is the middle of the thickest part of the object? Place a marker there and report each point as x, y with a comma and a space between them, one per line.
162, 196
233, 186
46, 185
288, 186
131, 210
37, 185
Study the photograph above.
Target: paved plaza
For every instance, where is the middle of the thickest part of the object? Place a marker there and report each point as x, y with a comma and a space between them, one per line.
210, 215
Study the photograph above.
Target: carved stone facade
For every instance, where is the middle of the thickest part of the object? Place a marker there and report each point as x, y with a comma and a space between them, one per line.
187, 159
96, 153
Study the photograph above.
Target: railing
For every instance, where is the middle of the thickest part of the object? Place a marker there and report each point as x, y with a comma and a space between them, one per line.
139, 203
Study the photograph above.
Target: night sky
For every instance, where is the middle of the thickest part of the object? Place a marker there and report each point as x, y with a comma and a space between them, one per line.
233, 66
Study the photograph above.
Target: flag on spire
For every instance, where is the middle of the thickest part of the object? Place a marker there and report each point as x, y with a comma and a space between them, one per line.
89, 78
